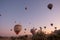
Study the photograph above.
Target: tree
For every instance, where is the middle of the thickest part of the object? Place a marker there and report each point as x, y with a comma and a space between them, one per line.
39, 36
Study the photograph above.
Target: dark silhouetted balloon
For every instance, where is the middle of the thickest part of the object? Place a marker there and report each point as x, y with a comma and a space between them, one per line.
35, 28
24, 32
32, 31
0, 14
17, 28
10, 29
45, 27
40, 27
14, 21
25, 8
51, 24
50, 6
25, 29
55, 28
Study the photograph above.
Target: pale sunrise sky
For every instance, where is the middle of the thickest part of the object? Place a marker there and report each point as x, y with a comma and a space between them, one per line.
37, 15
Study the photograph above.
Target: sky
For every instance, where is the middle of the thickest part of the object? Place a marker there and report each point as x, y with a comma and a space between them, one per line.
37, 15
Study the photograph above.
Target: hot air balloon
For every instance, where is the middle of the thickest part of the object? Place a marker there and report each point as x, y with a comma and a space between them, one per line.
44, 27
0, 14
26, 8
14, 21
10, 29
51, 24
35, 28
32, 31
50, 6
17, 28
55, 28
40, 29
25, 29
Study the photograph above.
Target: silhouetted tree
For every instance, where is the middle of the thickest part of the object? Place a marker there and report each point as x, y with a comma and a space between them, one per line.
39, 36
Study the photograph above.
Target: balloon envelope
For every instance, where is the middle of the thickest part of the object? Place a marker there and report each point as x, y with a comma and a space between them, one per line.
17, 28
50, 6
10, 29
51, 24
32, 31
40, 27
0, 14
14, 21
25, 29
25, 8
55, 27
45, 27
